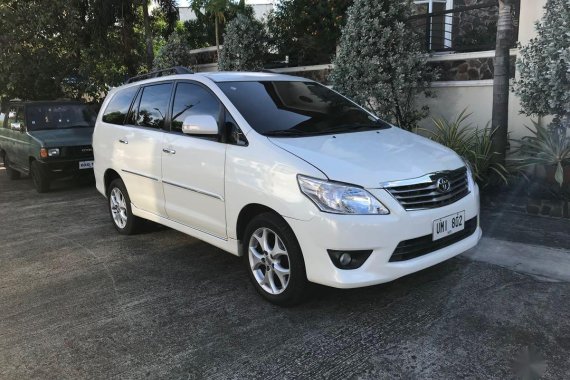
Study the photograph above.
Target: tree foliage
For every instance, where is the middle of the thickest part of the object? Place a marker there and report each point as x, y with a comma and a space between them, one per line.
68, 48
544, 64
245, 44
201, 32
307, 31
175, 52
380, 62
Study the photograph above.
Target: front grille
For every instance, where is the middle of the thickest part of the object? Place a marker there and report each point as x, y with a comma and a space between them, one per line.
82, 151
426, 194
410, 249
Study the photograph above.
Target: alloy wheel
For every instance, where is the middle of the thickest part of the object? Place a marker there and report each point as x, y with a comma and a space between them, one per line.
269, 261
118, 208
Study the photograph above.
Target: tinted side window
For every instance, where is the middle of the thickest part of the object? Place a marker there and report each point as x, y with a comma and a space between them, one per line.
153, 106
119, 106
192, 99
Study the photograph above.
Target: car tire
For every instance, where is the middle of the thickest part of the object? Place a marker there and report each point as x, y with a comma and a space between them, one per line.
10, 171
125, 222
41, 181
274, 260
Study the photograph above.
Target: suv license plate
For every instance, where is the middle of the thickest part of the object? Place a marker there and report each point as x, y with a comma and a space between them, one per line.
448, 225
86, 165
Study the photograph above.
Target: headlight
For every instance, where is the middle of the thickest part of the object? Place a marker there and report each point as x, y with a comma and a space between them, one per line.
53, 152
340, 199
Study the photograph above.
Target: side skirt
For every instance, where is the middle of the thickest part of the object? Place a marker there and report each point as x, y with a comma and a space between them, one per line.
228, 245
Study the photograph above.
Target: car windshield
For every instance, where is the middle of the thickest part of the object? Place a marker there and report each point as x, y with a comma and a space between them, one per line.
58, 116
297, 108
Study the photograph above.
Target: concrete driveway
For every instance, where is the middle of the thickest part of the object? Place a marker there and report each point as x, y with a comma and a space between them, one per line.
79, 301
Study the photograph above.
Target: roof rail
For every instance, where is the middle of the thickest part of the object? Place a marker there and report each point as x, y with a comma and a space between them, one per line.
160, 73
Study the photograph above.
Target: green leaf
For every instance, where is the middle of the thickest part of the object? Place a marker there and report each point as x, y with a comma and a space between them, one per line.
559, 175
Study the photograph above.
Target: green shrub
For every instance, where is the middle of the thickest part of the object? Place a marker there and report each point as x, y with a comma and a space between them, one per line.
307, 31
544, 64
473, 144
245, 44
175, 52
381, 62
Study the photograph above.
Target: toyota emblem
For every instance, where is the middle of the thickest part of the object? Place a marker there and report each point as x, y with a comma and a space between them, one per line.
443, 185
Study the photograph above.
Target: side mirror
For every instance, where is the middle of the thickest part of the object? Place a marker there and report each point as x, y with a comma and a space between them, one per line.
200, 125
17, 126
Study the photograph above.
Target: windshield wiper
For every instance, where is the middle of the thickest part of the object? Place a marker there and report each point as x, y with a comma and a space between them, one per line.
285, 133
358, 127
343, 128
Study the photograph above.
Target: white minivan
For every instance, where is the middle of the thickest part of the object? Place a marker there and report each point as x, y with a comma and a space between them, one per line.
302, 182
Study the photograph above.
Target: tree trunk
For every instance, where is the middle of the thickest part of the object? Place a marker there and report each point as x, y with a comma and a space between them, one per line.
128, 33
501, 90
217, 38
148, 36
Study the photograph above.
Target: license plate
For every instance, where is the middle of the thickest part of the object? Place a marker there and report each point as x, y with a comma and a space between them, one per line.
448, 225
86, 165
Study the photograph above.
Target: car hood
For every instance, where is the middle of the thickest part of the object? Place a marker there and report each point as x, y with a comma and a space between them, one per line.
53, 138
373, 157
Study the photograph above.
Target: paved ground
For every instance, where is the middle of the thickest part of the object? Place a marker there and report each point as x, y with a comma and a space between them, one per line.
79, 301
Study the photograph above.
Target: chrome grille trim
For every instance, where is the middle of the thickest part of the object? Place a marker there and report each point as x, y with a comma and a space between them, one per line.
422, 193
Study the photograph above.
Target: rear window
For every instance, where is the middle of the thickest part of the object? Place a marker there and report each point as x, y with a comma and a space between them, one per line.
58, 116
116, 111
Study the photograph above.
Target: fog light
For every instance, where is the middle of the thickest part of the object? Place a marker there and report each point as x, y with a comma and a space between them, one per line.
345, 259
348, 259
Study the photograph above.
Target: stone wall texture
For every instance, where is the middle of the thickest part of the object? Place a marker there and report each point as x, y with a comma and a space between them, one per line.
469, 69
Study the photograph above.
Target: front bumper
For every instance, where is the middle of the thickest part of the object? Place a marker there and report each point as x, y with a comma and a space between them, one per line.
60, 168
381, 234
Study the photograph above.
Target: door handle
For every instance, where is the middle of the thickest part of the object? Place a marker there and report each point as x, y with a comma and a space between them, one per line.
123, 141
169, 151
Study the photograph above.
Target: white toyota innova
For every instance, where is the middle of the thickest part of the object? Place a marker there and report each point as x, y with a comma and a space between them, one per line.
302, 182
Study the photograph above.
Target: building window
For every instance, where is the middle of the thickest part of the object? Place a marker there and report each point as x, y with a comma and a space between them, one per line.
439, 27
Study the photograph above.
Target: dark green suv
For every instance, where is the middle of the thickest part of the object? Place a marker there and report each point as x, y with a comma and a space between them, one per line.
47, 140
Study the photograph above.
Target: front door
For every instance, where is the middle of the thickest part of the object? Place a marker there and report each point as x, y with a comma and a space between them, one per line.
193, 166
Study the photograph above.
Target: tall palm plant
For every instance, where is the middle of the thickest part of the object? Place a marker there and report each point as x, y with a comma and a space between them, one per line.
500, 119
169, 8
216, 9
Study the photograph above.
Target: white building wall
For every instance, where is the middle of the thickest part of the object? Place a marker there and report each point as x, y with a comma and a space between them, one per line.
477, 96
260, 9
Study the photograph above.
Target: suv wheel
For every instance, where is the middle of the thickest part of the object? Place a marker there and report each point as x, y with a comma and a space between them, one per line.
11, 172
120, 209
274, 260
41, 181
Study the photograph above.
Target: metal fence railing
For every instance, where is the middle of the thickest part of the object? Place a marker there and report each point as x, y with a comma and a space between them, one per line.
462, 29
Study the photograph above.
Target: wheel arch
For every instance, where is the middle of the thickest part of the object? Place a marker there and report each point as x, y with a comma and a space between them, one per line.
109, 176
247, 213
